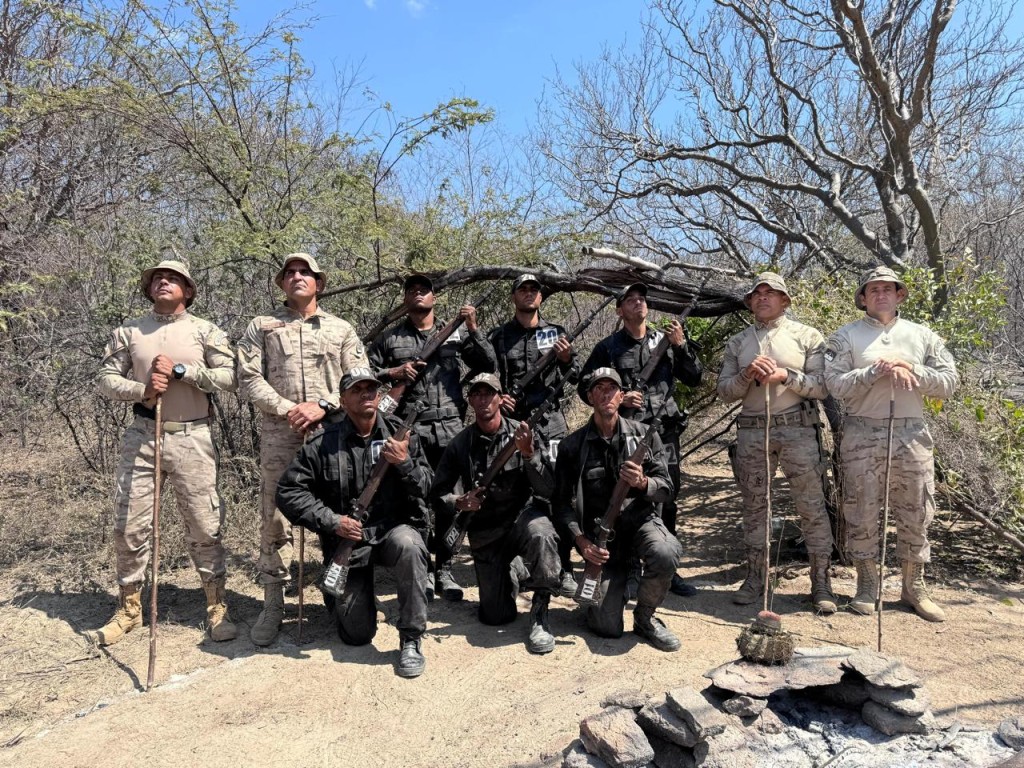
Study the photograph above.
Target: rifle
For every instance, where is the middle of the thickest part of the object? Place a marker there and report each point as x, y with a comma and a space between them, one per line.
586, 593
457, 531
390, 402
639, 383
518, 388
336, 576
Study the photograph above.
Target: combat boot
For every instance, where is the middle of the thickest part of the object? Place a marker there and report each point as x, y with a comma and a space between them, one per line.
265, 630
753, 586
217, 619
410, 660
127, 617
821, 585
541, 640
445, 583
654, 630
915, 593
867, 587
567, 585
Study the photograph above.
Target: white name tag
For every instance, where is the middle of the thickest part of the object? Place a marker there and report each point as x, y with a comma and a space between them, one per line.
375, 449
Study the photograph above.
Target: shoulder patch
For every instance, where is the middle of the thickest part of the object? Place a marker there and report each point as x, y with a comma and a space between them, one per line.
830, 354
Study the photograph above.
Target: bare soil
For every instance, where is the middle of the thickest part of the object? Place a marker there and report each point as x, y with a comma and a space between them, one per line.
483, 701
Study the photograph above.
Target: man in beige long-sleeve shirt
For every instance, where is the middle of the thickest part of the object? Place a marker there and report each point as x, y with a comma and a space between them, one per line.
184, 359
867, 362
783, 359
290, 364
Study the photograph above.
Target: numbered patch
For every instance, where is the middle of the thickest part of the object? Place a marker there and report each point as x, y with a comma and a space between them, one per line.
830, 355
546, 338
455, 338
375, 449
553, 451
655, 339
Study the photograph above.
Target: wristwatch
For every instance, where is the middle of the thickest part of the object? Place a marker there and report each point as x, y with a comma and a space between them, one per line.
178, 371
325, 406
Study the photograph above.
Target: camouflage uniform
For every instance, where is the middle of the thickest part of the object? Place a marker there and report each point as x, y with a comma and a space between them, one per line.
189, 458
849, 373
795, 440
283, 360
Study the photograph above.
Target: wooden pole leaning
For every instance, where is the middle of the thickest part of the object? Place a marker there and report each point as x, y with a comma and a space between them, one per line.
885, 505
154, 560
767, 491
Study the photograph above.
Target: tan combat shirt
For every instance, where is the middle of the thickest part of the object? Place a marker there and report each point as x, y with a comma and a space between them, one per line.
850, 375
794, 346
284, 359
198, 344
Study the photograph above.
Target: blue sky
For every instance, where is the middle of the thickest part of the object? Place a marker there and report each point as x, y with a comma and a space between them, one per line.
418, 53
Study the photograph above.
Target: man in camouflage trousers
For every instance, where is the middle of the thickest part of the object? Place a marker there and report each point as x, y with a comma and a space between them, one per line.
435, 386
182, 359
290, 364
867, 363
787, 358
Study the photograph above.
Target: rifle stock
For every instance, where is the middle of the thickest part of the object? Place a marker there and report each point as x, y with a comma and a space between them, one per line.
456, 534
587, 592
336, 575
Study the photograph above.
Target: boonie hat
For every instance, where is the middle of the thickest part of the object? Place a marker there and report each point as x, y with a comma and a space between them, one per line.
772, 280
604, 373
174, 265
354, 376
527, 277
418, 279
487, 379
308, 260
639, 287
877, 274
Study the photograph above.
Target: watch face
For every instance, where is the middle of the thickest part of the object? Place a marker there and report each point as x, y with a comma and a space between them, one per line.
178, 371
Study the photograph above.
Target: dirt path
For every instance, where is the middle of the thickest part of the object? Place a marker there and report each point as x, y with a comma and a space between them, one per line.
483, 701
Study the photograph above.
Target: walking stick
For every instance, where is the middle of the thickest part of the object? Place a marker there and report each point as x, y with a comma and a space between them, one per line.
154, 562
302, 564
885, 503
768, 491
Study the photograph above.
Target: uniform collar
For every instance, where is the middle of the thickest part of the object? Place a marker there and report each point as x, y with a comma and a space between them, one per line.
771, 325
879, 324
174, 318
296, 315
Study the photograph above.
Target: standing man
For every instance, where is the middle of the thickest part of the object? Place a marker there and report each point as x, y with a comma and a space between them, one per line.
434, 383
508, 518
290, 363
590, 462
518, 345
627, 351
788, 358
318, 490
867, 363
173, 355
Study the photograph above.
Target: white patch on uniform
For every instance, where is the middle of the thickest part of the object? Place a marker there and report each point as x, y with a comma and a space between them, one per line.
546, 338
455, 337
553, 451
375, 449
655, 339
632, 441
830, 355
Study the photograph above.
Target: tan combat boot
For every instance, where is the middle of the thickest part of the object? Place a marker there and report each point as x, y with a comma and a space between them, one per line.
265, 630
867, 587
127, 617
821, 585
915, 593
753, 587
217, 619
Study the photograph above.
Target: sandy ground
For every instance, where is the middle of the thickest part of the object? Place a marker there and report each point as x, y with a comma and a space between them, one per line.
483, 701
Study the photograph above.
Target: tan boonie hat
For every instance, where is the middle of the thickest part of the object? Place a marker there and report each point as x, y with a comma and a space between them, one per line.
604, 373
174, 266
876, 275
306, 259
772, 280
487, 379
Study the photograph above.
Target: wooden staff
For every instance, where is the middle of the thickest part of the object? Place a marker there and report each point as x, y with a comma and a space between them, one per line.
885, 504
768, 490
154, 562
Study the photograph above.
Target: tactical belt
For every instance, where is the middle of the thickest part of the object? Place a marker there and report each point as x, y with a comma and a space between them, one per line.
806, 415
439, 414
865, 421
171, 427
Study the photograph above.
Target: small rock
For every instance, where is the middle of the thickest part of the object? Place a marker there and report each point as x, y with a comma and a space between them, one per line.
732, 748
770, 723
912, 702
614, 736
1011, 731
809, 667
669, 755
890, 723
881, 670
576, 756
745, 706
699, 714
630, 699
659, 719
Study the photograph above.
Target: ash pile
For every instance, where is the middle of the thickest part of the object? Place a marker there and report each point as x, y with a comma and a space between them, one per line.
827, 707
